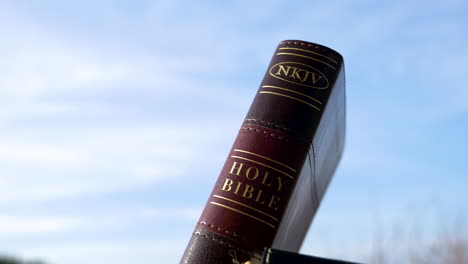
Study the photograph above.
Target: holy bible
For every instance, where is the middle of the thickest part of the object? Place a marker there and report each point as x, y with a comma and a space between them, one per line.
281, 163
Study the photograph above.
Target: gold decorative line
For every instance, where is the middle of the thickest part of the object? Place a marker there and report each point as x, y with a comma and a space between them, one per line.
227, 199
244, 213
292, 91
309, 51
290, 97
254, 161
258, 155
307, 57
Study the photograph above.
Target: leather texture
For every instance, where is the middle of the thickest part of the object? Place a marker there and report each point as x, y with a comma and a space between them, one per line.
274, 256
208, 247
293, 133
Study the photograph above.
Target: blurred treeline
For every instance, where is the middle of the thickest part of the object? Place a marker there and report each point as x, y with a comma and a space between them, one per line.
449, 245
400, 245
12, 260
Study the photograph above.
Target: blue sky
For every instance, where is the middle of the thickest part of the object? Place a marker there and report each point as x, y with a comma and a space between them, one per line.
117, 116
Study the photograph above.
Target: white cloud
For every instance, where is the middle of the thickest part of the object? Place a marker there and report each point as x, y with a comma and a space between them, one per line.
100, 160
187, 213
112, 218
39, 162
18, 226
37, 154
40, 67
52, 64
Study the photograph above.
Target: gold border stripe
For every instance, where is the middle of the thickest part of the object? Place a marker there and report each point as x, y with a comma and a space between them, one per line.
240, 212
309, 51
290, 97
258, 155
254, 161
227, 199
307, 57
292, 91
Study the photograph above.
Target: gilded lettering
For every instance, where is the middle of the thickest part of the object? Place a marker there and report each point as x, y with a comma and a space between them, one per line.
295, 73
299, 73
248, 191
255, 174
264, 180
305, 76
281, 68
227, 185
259, 195
280, 183
237, 187
315, 79
274, 202
237, 169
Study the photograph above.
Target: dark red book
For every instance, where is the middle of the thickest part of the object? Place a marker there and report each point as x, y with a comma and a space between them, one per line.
281, 163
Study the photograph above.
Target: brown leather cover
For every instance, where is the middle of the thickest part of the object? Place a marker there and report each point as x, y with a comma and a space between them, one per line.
281, 162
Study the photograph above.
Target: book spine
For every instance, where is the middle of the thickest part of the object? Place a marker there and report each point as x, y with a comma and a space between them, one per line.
247, 204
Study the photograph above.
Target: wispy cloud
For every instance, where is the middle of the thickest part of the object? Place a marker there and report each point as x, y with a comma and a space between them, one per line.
20, 226
27, 154
100, 160
41, 71
111, 219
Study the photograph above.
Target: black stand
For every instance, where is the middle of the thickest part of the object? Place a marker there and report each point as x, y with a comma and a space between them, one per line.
275, 256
